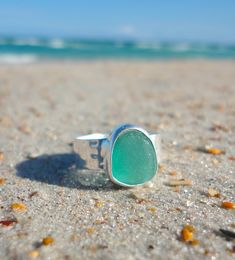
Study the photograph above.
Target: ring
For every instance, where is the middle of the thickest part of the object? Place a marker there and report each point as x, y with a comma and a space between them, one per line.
129, 154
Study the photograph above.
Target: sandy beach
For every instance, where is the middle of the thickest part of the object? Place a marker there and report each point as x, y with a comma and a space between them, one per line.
50, 211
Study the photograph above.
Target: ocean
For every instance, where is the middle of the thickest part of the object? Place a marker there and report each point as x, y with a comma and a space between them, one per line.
29, 50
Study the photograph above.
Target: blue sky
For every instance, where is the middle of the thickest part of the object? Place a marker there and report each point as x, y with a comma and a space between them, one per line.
179, 20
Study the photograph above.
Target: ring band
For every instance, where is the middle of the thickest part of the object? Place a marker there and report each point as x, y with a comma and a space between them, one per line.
129, 154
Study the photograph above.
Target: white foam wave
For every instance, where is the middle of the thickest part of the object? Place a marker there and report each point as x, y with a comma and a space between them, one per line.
57, 44
17, 58
29, 42
181, 47
53, 43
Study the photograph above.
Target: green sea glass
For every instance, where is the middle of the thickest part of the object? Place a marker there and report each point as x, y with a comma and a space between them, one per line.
133, 158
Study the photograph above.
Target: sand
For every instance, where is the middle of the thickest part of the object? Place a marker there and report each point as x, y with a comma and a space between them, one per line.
45, 106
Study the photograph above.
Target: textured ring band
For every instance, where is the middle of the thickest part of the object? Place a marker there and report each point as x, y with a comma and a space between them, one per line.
129, 154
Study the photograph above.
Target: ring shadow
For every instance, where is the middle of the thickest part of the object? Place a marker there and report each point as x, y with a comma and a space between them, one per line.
65, 169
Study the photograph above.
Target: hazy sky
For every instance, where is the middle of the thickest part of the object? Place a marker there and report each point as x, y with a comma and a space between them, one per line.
194, 20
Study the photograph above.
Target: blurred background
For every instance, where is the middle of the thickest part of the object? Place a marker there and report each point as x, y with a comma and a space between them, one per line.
74, 29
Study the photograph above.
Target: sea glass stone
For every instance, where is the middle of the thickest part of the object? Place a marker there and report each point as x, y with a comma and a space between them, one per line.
133, 158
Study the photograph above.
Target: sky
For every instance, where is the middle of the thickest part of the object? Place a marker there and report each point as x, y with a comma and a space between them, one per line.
152, 20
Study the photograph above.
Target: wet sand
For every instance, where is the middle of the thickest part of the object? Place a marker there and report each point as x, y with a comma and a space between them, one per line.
44, 106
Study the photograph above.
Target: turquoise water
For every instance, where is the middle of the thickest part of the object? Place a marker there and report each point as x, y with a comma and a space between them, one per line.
13, 50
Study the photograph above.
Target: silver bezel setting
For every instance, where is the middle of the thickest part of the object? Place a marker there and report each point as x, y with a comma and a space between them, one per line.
121, 129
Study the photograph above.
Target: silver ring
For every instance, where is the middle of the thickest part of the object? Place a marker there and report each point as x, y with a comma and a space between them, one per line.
129, 154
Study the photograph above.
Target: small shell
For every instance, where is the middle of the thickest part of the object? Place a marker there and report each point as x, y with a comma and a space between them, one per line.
18, 206
46, 241
228, 205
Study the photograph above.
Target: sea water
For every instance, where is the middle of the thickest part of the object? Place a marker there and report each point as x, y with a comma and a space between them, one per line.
27, 50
